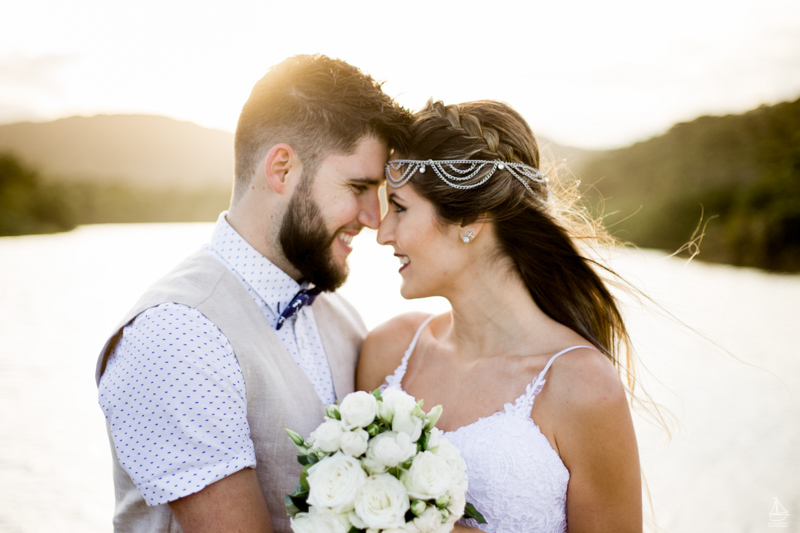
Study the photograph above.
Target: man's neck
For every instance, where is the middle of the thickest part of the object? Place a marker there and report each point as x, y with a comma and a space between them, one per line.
258, 232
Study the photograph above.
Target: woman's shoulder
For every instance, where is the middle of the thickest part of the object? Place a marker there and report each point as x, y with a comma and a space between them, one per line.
586, 378
384, 347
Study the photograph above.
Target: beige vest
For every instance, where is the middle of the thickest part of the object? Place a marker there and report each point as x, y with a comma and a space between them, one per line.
279, 395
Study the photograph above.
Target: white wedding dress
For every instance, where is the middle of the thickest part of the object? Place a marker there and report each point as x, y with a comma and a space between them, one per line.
516, 479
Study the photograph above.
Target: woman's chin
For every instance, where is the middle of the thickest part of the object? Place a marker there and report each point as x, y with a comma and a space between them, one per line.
409, 292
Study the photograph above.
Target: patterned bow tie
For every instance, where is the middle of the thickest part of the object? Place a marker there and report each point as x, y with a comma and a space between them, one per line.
304, 297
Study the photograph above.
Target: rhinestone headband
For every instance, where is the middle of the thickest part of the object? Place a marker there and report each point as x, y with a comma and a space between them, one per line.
455, 177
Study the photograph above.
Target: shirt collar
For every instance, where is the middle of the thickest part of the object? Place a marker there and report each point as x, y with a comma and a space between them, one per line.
274, 286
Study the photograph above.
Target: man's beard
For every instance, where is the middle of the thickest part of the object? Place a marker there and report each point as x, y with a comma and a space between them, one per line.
306, 242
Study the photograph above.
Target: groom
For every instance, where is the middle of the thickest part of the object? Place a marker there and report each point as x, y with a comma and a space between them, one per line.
201, 377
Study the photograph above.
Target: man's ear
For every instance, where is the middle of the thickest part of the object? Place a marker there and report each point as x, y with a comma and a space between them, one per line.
280, 167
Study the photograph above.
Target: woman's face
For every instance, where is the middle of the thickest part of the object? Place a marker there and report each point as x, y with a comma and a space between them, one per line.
431, 255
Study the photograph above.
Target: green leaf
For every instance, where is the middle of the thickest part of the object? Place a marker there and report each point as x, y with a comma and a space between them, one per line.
304, 477
471, 512
354, 529
291, 508
297, 501
377, 394
422, 443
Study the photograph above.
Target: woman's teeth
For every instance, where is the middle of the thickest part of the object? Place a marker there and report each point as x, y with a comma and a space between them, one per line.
403, 260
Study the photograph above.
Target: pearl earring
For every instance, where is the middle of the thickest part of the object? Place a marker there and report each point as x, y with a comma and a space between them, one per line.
468, 237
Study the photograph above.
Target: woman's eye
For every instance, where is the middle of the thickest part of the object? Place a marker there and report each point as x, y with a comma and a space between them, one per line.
398, 208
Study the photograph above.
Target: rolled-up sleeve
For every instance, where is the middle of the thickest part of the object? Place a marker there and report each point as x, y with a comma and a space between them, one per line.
174, 397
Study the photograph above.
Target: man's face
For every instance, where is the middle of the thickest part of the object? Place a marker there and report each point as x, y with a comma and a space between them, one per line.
328, 210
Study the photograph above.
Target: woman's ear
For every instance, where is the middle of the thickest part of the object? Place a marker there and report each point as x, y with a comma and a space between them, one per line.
280, 167
469, 232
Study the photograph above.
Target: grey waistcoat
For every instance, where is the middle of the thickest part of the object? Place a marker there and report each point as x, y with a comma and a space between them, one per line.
279, 395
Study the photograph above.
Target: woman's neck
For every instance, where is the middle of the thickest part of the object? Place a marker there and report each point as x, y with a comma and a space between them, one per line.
494, 314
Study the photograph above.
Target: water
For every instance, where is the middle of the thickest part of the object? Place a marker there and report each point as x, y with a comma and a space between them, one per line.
60, 295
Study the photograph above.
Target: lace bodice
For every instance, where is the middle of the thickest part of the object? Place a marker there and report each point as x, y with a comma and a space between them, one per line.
516, 479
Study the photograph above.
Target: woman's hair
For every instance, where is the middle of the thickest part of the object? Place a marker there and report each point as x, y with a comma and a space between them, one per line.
540, 237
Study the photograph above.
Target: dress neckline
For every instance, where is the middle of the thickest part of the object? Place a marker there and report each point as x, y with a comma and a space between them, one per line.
524, 401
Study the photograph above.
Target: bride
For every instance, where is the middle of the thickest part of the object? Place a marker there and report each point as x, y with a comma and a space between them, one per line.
527, 363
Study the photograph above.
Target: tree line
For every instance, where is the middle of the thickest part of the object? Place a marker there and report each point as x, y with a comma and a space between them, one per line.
732, 182
30, 204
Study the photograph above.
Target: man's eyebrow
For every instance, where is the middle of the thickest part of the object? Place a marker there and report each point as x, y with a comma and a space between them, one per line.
367, 181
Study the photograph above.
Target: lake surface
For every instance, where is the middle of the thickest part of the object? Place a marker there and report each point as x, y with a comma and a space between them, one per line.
735, 416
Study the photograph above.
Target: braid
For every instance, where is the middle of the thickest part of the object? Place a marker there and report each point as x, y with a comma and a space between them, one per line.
537, 240
469, 126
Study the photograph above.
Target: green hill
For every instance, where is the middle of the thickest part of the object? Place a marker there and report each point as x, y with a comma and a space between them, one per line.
138, 150
741, 173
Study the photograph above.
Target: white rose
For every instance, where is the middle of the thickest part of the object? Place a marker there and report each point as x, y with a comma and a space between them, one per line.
354, 443
334, 482
358, 409
302, 523
390, 449
327, 436
382, 502
458, 468
433, 439
429, 522
428, 478
403, 420
325, 521
458, 501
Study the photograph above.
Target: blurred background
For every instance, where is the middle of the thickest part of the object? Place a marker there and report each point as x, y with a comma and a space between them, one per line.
679, 119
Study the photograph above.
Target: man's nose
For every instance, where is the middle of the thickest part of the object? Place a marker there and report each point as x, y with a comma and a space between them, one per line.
370, 213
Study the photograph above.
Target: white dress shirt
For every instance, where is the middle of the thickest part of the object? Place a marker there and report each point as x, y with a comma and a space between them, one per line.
173, 392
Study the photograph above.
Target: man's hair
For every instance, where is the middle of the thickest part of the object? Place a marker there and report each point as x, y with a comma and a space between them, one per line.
317, 105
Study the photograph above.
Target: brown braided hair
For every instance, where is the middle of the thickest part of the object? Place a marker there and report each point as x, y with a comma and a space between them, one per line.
538, 239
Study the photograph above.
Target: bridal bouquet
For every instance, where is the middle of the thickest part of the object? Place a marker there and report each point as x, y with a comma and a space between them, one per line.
378, 464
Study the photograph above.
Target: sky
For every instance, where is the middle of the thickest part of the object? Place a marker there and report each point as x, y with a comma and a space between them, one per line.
589, 74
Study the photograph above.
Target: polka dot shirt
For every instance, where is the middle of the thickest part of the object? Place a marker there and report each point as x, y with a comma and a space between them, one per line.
173, 392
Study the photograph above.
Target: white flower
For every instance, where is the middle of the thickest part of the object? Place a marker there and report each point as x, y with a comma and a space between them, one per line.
325, 521
433, 439
320, 521
334, 483
428, 478
327, 436
354, 443
403, 420
458, 500
382, 502
458, 468
429, 522
302, 523
389, 449
358, 409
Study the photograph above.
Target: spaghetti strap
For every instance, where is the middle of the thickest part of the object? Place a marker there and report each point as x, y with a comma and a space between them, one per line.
535, 387
550, 362
395, 379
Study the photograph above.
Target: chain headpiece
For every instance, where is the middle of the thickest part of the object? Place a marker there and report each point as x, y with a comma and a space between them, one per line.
456, 177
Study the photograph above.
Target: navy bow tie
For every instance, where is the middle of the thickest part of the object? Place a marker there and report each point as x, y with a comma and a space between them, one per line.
304, 297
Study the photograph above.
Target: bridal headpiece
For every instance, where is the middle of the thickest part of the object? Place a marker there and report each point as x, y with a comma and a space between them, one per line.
457, 172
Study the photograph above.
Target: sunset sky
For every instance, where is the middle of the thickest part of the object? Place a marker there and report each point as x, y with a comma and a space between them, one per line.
589, 74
